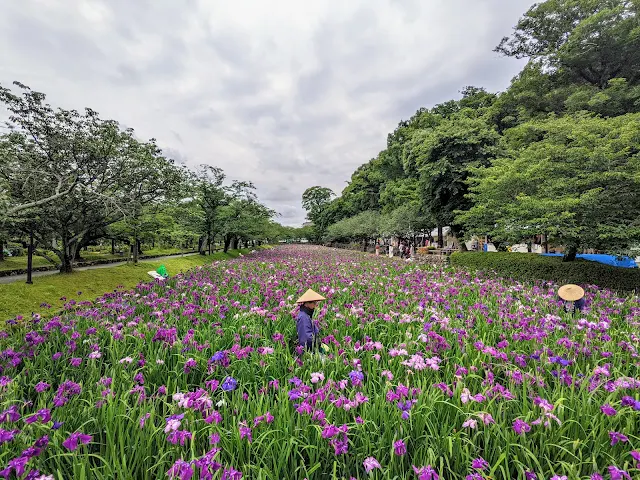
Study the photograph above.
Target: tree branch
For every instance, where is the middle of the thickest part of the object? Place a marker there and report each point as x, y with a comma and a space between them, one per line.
43, 201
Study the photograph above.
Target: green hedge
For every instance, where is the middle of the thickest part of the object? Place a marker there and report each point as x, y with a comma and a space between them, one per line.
532, 267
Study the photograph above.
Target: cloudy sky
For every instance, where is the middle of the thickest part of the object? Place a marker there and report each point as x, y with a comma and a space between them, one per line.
285, 93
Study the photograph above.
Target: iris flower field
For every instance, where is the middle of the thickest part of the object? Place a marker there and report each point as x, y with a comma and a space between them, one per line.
432, 374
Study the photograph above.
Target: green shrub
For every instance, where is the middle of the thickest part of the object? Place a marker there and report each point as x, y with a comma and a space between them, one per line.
532, 267
15, 249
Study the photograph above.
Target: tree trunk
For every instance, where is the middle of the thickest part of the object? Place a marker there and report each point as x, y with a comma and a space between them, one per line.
65, 262
546, 243
113, 247
1, 250
201, 244
65, 253
30, 259
135, 250
234, 243
570, 254
364, 245
440, 238
65, 266
209, 241
227, 241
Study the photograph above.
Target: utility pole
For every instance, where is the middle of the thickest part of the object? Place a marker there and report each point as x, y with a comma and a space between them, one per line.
30, 258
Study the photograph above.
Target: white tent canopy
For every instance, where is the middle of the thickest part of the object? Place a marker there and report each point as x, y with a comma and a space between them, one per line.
445, 232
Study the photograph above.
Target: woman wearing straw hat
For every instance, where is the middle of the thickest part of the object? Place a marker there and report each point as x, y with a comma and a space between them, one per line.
572, 294
307, 331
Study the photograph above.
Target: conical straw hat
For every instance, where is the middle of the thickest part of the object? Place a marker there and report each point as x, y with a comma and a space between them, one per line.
570, 293
310, 296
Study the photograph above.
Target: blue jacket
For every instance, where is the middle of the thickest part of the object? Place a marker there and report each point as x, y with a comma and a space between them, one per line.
307, 331
578, 305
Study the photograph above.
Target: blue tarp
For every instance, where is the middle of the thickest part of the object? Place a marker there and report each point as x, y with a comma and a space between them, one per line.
624, 262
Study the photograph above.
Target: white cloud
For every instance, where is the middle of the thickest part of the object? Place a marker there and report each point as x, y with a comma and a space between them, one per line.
287, 94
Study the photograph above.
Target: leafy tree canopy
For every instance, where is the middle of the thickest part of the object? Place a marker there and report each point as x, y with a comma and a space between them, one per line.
575, 178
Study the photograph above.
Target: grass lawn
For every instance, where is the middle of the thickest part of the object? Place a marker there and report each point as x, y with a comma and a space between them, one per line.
106, 254
21, 299
13, 263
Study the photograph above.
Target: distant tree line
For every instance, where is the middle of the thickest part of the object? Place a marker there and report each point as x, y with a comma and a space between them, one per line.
72, 179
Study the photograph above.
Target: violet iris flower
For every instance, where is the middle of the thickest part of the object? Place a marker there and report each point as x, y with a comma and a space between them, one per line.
229, 384
76, 439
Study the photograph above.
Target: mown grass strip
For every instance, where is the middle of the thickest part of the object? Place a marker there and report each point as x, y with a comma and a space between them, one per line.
21, 299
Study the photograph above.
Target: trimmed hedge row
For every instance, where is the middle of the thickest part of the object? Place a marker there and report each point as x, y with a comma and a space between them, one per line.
532, 267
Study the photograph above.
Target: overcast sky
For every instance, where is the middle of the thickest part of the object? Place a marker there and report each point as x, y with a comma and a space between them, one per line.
285, 93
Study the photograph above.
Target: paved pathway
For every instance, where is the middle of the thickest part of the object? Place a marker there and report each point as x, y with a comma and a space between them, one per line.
23, 278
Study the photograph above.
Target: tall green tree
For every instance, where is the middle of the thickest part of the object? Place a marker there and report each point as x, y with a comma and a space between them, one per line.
211, 195
363, 191
40, 157
155, 181
398, 193
575, 178
364, 227
593, 41
315, 201
444, 156
583, 55
242, 220
75, 174
406, 222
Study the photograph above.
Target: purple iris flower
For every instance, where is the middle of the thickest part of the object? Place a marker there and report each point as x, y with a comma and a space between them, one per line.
218, 356
229, 384
76, 439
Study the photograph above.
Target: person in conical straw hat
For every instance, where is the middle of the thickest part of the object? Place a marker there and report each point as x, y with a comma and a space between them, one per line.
573, 296
307, 330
